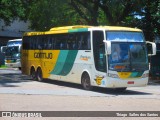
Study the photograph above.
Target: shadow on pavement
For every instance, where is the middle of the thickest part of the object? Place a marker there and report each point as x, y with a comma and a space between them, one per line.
97, 89
11, 80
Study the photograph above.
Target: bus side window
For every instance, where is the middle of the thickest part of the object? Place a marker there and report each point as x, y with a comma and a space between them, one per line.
70, 39
61, 42
31, 44
80, 39
43, 42
87, 41
39, 43
36, 42
84, 41
74, 44
69, 45
57, 44
53, 42
49, 43
49, 46
32, 41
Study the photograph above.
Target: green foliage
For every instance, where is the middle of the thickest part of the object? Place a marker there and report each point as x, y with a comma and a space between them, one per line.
150, 20
11, 9
156, 16
45, 14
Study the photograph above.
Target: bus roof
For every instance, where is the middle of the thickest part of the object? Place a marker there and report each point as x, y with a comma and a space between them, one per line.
15, 40
81, 28
117, 28
69, 27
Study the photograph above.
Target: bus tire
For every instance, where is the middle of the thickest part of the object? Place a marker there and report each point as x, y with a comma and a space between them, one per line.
85, 81
33, 73
39, 75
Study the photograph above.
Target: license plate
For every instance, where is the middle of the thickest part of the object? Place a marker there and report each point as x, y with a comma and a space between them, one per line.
11, 65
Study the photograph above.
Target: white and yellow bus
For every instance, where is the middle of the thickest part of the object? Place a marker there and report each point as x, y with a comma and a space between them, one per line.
104, 56
12, 53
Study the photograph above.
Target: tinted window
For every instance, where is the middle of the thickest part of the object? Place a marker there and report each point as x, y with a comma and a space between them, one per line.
68, 41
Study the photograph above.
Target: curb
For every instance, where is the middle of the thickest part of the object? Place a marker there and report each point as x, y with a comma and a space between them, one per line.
9, 69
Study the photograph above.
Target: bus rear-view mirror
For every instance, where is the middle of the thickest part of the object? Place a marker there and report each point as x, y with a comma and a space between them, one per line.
151, 48
108, 46
3, 49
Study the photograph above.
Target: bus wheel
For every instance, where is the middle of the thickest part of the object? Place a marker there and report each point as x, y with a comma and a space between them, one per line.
85, 81
39, 75
33, 73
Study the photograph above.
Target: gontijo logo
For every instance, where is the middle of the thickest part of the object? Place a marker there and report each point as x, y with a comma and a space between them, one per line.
43, 55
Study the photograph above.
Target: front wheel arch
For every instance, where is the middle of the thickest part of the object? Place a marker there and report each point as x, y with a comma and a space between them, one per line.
86, 81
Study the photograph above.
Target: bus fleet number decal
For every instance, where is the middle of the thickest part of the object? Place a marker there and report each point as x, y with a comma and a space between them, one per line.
99, 80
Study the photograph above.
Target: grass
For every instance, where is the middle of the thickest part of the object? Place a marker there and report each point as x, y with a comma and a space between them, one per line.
3, 66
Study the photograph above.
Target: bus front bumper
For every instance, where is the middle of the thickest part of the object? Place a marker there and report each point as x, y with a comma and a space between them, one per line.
119, 83
13, 65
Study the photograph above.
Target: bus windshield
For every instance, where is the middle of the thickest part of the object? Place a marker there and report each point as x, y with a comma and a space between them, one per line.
128, 56
125, 36
14, 43
13, 52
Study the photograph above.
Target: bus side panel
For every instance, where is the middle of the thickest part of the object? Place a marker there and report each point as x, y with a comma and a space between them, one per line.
64, 64
71, 66
83, 63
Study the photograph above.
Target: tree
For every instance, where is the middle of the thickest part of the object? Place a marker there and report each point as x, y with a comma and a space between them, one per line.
149, 21
144, 14
155, 15
45, 14
115, 11
88, 10
13, 9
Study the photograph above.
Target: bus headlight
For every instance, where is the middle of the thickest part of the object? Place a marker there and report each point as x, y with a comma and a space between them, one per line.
113, 75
